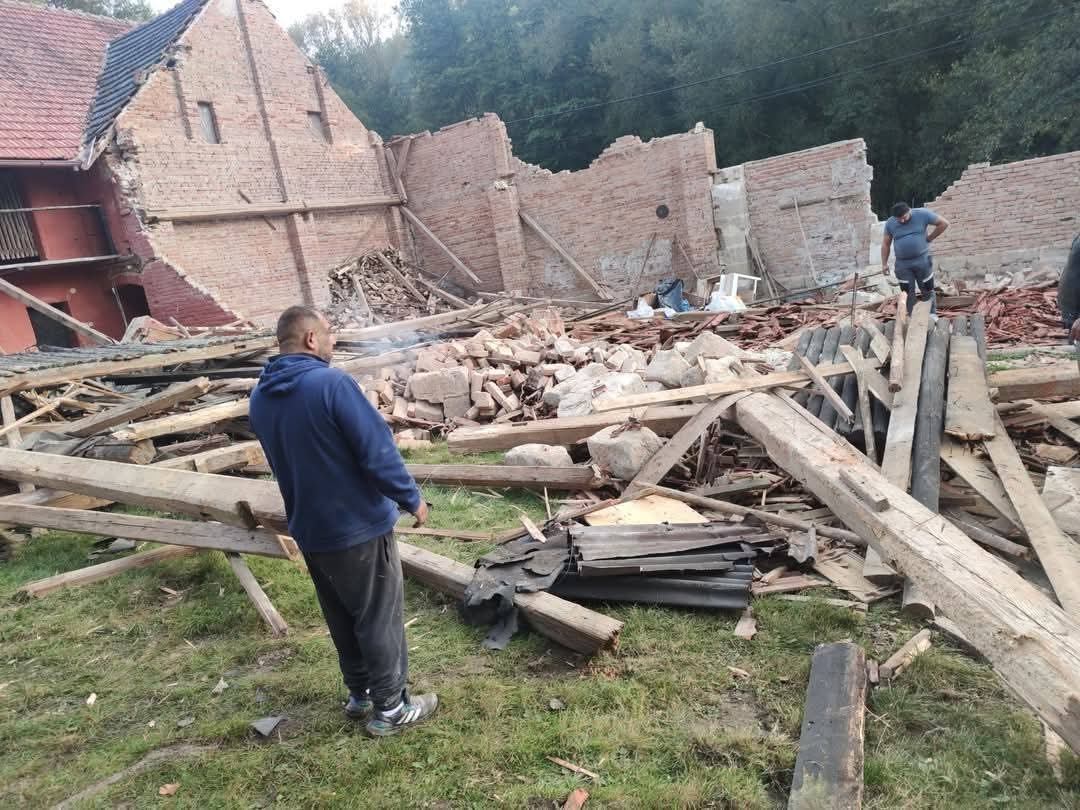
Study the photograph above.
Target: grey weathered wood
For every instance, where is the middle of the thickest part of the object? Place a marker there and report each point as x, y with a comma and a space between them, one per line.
49, 311
880, 345
865, 414
826, 390
458, 263
896, 364
193, 533
263, 606
139, 408
873, 500
500, 475
669, 455
978, 475
553, 243
926, 453
96, 573
184, 422
1058, 553
828, 351
1031, 642
14, 435
970, 414
829, 766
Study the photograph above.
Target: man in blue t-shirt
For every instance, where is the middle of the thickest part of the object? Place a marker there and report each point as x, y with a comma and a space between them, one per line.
905, 234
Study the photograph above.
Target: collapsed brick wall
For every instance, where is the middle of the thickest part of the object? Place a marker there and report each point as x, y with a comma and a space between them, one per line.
252, 266
831, 185
466, 186
1012, 213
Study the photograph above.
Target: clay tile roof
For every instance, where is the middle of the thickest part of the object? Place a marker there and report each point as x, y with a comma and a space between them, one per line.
49, 65
130, 57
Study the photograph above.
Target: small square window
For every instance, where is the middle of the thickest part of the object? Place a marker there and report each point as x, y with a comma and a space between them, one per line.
318, 126
208, 121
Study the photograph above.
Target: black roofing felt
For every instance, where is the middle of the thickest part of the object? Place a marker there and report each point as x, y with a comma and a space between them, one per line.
128, 57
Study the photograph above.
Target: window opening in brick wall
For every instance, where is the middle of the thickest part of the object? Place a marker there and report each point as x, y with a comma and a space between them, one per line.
208, 121
318, 126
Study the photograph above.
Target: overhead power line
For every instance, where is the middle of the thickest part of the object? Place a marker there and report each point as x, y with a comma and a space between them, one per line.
736, 73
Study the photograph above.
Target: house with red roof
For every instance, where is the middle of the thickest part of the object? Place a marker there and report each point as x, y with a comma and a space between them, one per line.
195, 167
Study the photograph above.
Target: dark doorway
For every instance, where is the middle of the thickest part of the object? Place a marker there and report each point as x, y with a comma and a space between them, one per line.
48, 332
133, 301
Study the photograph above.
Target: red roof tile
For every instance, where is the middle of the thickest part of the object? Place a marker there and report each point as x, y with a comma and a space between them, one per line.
49, 64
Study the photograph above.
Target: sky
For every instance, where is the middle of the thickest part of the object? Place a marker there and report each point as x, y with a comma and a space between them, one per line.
290, 11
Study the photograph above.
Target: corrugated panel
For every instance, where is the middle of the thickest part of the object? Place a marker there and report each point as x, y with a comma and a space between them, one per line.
16, 237
129, 57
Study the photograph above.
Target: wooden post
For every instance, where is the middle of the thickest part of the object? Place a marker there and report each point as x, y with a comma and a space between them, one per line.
896, 365
551, 242
424, 229
1031, 642
829, 766
14, 436
49, 311
265, 608
96, 573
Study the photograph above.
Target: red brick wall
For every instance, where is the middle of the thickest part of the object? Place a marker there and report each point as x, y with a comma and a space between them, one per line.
605, 215
1027, 204
463, 182
832, 186
87, 291
62, 233
254, 267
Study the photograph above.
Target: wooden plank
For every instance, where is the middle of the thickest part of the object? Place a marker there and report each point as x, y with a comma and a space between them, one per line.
843, 568
648, 510
772, 518
270, 209
1031, 642
865, 414
980, 477
189, 422
873, 500
196, 534
1059, 423
399, 276
673, 450
449, 298
219, 459
81, 371
971, 526
926, 452
14, 435
427, 322
263, 606
49, 311
902, 658
48, 407
896, 365
424, 229
552, 243
603, 404
969, 415
565, 430
572, 479
96, 573
1059, 554
826, 390
532, 529
1061, 494
880, 345
138, 408
829, 765
218, 497
1040, 382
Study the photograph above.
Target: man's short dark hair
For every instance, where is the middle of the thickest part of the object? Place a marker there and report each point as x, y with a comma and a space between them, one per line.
295, 321
900, 209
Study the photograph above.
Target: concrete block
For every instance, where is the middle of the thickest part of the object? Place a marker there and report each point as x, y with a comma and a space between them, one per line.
667, 367
456, 405
710, 345
428, 411
623, 451
578, 401
553, 396
538, 455
437, 386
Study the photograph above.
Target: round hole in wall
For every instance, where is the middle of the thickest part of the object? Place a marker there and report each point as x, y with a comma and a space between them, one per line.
662, 211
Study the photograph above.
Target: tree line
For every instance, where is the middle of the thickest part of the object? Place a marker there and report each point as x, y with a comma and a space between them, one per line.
930, 87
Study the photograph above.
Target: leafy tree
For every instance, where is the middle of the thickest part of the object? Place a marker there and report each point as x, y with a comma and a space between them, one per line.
137, 10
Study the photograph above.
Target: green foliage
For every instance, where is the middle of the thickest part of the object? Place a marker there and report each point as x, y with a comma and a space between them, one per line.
948, 87
137, 10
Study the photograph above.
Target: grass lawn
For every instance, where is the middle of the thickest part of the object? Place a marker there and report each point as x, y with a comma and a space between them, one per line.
664, 721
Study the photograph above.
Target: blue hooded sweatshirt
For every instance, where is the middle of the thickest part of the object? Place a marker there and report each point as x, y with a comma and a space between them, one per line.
340, 474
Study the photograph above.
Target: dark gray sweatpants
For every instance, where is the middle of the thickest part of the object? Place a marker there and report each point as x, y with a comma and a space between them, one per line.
918, 278
360, 592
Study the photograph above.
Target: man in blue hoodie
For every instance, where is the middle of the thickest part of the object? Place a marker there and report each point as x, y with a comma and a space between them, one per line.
343, 481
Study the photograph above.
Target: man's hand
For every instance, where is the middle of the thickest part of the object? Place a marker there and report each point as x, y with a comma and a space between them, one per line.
1074, 332
420, 514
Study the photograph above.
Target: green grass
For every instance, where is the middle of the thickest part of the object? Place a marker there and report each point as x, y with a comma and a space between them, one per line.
664, 721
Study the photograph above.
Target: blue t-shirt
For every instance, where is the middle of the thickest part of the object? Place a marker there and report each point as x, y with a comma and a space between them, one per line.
909, 238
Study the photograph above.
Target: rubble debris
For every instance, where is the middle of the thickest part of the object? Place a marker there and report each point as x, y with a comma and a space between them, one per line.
624, 449
538, 455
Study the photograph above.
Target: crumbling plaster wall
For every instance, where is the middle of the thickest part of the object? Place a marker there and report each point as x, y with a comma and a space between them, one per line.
1009, 218
464, 183
210, 270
